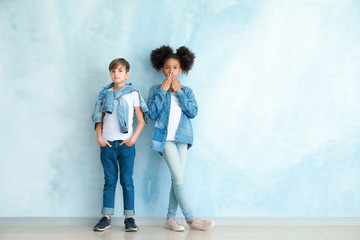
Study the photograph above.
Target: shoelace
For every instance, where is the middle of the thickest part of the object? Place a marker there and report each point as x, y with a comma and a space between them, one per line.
103, 219
130, 220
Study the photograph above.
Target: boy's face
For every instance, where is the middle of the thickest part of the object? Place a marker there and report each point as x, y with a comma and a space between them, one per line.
119, 74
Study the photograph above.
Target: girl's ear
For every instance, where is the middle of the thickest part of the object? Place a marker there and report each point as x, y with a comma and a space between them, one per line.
180, 70
162, 70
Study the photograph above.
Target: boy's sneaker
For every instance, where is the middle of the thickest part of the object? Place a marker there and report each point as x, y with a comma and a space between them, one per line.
130, 225
173, 225
201, 224
103, 224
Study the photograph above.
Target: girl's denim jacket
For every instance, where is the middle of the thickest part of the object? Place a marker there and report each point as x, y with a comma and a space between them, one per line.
159, 110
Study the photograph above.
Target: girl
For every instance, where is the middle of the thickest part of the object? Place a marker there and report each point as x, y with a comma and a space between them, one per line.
172, 105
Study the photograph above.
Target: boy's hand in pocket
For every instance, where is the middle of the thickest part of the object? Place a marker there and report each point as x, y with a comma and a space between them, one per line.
128, 142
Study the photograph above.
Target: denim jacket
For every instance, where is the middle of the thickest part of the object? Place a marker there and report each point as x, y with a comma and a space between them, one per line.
159, 110
105, 103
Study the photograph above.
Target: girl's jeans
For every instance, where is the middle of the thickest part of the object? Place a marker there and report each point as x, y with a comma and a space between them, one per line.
112, 158
175, 157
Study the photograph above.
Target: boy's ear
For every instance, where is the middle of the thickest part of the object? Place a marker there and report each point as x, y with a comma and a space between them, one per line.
128, 74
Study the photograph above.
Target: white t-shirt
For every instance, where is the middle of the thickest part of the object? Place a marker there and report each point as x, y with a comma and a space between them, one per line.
174, 117
111, 126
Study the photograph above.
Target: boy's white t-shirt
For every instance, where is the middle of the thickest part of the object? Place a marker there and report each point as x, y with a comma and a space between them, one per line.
111, 126
174, 117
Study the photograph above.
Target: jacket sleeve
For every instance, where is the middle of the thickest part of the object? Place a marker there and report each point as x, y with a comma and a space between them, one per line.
97, 112
188, 102
156, 102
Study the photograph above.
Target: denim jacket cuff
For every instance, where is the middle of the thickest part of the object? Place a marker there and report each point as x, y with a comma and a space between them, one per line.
162, 91
179, 92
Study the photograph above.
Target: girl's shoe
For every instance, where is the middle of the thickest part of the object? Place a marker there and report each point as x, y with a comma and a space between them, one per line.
173, 225
201, 224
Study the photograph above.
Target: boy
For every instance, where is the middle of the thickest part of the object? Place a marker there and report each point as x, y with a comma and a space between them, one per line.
113, 118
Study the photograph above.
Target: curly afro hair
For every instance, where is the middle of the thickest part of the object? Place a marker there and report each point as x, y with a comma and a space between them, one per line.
185, 56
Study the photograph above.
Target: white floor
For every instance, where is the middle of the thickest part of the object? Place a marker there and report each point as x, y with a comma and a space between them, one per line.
159, 233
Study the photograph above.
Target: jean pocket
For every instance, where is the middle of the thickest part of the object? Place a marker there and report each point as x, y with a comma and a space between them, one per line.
124, 145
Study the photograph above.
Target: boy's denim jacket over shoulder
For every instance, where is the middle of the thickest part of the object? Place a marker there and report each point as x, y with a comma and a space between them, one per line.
159, 110
105, 104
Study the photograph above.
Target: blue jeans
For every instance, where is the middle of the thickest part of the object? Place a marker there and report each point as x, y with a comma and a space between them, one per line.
113, 158
175, 157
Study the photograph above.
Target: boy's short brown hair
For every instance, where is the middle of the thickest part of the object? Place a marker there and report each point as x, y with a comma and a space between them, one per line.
116, 62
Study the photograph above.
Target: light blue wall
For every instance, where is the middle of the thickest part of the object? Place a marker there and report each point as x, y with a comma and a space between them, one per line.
278, 88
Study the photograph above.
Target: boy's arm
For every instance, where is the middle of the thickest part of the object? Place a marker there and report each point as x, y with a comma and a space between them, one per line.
98, 129
139, 127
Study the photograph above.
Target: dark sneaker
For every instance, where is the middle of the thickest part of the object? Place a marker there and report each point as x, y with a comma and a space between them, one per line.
103, 224
130, 225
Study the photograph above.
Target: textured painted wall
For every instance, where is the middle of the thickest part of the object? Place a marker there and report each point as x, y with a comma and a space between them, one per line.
278, 88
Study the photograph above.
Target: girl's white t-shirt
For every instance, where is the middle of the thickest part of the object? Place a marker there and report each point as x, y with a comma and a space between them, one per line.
111, 126
174, 117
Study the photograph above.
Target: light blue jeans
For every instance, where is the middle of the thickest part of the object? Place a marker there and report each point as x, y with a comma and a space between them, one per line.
175, 157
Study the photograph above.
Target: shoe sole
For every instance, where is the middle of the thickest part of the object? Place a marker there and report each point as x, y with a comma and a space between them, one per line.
174, 229
101, 230
131, 230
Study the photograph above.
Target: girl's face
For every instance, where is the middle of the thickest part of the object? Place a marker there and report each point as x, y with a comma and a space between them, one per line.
171, 66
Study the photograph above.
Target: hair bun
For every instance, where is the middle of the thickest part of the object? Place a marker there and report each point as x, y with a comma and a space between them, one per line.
186, 58
158, 56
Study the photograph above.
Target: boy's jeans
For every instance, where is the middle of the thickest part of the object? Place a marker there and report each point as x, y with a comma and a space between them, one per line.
113, 158
175, 157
